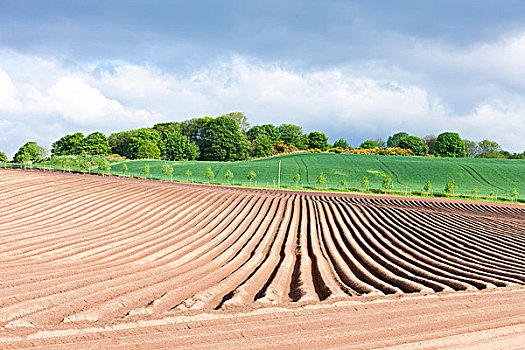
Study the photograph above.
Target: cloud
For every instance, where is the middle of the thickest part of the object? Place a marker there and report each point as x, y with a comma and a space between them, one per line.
8, 100
42, 100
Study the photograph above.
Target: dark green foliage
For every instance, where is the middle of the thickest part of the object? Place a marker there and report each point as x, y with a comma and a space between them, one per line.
369, 144
341, 143
96, 144
293, 135
449, 144
3, 157
267, 129
261, 146
144, 143
413, 143
318, 140
119, 143
221, 140
28, 152
179, 147
193, 127
262, 138
393, 141
146, 149
164, 129
68, 145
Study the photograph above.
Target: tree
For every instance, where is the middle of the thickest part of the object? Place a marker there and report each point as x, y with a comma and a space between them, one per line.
321, 179
3, 157
343, 184
261, 146
369, 144
164, 129
379, 142
514, 193
387, 183
241, 120
296, 179
147, 150
125, 168
210, 175
228, 176
179, 147
428, 187
267, 129
341, 143
145, 170
222, 140
251, 174
393, 141
145, 144
449, 144
471, 148
119, 143
474, 192
104, 166
489, 149
293, 135
29, 152
188, 174
95, 144
450, 187
365, 183
318, 140
192, 128
69, 145
413, 143
166, 170
84, 164
430, 141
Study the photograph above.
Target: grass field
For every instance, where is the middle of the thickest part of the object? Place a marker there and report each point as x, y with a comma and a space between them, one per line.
498, 175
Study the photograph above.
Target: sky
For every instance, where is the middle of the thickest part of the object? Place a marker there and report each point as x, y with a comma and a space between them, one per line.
353, 69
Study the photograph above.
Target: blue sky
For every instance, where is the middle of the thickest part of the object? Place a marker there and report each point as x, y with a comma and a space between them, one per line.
353, 69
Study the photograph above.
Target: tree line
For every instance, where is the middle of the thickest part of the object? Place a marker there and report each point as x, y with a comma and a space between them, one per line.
229, 137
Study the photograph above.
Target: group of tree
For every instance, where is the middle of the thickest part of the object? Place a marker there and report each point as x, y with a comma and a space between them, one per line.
76, 144
229, 137
225, 138
447, 144
489, 149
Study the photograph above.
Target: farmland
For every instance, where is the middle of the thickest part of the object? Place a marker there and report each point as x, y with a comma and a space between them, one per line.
408, 173
117, 263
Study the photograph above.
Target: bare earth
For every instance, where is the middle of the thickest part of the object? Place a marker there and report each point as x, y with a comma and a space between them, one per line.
101, 262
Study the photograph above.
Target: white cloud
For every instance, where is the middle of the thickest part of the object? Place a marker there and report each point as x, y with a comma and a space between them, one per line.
8, 100
43, 100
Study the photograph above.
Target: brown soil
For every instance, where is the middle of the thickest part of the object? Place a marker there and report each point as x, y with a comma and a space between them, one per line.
103, 262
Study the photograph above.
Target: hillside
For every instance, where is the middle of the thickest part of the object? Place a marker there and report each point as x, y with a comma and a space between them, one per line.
498, 175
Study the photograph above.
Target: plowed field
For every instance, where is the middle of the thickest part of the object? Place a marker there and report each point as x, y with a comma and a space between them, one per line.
101, 262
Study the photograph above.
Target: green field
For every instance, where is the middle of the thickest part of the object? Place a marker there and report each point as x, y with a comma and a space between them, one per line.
498, 175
